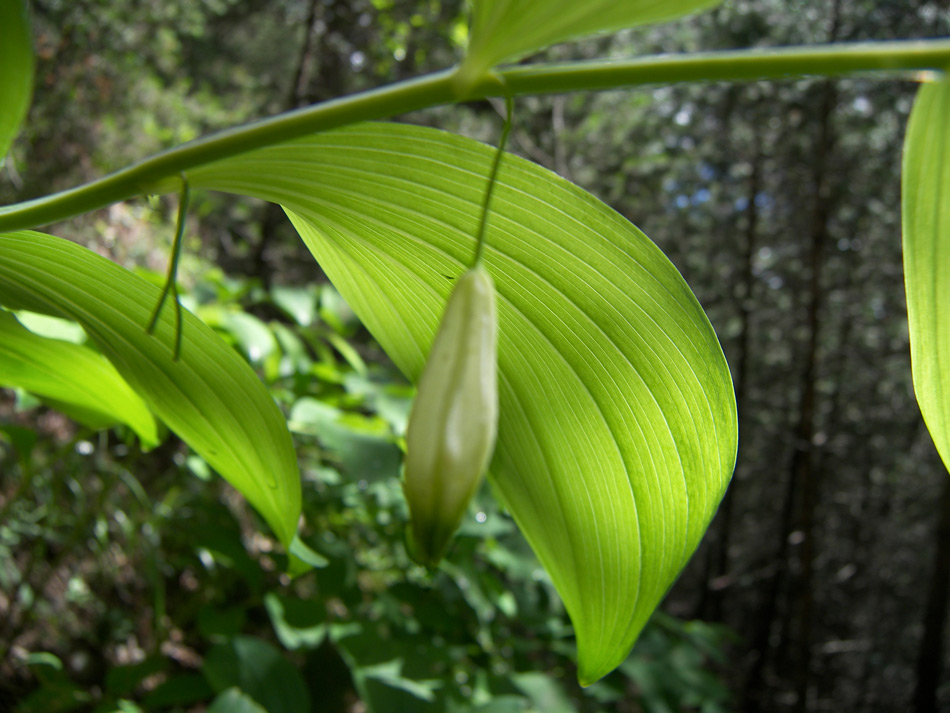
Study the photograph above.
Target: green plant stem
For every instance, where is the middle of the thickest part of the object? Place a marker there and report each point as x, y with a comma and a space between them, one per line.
496, 163
153, 174
171, 280
905, 58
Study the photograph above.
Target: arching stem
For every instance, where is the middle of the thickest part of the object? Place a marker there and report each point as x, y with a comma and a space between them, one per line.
486, 202
171, 279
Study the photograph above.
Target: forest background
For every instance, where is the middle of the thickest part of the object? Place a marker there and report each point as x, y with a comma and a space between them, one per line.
135, 582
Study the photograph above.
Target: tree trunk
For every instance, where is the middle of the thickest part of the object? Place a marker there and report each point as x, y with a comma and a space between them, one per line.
273, 215
717, 582
930, 655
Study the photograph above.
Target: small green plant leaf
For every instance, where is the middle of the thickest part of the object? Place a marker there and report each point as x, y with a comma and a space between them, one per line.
258, 669
210, 397
298, 623
926, 228
72, 375
617, 422
234, 700
16, 70
503, 30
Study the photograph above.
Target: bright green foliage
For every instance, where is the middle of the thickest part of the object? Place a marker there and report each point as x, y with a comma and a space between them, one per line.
210, 397
16, 70
926, 219
507, 29
450, 641
617, 428
74, 378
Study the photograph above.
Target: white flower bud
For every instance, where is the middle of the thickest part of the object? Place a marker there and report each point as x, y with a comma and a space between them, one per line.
451, 433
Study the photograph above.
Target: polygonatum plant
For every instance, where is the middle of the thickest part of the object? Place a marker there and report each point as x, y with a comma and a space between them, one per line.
617, 424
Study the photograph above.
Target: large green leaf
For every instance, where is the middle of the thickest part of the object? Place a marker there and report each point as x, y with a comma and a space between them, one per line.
258, 669
617, 427
506, 29
926, 219
16, 69
210, 397
73, 375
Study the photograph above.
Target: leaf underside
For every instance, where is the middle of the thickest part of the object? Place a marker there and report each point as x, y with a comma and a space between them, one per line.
926, 242
617, 430
504, 30
83, 382
210, 397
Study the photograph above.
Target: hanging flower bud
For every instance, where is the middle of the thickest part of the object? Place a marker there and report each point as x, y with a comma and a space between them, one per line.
451, 433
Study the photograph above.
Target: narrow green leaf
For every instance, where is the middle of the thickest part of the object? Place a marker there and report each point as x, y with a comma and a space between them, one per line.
617, 423
73, 375
210, 397
926, 222
507, 29
16, 70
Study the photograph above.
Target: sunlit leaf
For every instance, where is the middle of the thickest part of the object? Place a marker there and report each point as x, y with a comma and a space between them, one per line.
617, 429
52, 327
507, 29
926, 222
299, 302
210, 397
72, 375
16, 70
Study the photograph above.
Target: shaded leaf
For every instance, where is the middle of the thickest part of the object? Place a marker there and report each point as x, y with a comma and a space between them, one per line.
217, 621
382, 675
545, 693
71, 375
210, 397
507, 29
362, 445
182, 690
390, 674
258, 669
16, 70
22, 439
123, 680
498, 704
617, 429
298, 623
926, 228
234, 700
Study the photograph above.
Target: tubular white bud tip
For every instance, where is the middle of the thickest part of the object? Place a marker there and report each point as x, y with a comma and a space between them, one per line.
451, 433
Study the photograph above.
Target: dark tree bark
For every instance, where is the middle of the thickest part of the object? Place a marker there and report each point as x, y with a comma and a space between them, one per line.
719, 567
803, 471
795, 645
931, 652
297, 95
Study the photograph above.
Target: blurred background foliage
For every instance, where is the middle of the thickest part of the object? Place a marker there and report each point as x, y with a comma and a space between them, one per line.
135, 581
